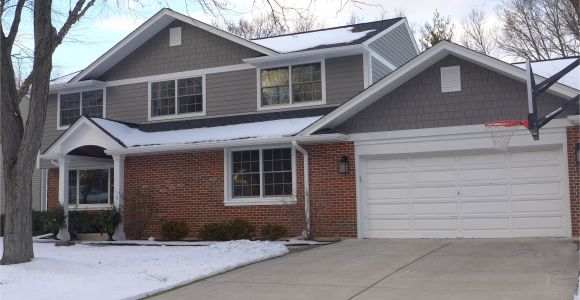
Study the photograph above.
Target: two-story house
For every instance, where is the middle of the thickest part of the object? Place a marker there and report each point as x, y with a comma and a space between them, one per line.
342, 132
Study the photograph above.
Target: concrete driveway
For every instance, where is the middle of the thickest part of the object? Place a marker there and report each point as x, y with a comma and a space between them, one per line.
405, 269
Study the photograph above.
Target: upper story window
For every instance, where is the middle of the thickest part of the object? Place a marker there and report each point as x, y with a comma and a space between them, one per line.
175, 98
73, 105
295, 85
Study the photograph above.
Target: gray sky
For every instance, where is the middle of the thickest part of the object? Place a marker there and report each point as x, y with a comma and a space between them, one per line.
103, 27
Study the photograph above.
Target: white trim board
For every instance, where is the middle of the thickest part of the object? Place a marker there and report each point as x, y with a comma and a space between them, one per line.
147, 30
416, 66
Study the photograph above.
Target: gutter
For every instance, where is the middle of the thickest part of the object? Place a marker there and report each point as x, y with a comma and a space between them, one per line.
304, 153
220, 145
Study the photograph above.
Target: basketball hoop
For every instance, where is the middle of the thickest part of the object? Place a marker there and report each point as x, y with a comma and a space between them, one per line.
502, 131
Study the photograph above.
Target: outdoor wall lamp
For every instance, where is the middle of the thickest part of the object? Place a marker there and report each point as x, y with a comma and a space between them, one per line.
343, 164
578, 153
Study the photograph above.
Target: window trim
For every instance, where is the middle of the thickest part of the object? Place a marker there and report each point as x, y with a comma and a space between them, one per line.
292, 104
229, 200
92, 206
176, 115
64, 127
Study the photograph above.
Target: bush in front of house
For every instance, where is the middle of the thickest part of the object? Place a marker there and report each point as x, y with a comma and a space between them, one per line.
174, 230
109, 220
83, 222
237, 229
273, 232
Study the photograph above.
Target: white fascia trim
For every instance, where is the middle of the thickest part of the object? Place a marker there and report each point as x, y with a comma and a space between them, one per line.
382, 60
381, 34
163, 13
301, 56
323, 138
221, 33
184, 74
367, 69
574, 120
76, 86
260, 107
427, 58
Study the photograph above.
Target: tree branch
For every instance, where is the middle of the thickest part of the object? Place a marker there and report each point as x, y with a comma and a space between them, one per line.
15, 23
74, 16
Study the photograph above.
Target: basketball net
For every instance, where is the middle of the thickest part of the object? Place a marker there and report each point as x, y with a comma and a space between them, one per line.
501, 132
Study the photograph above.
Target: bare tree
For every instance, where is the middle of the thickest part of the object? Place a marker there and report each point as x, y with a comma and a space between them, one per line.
439, 29
538, 29
268, 25
476, 35
354, 19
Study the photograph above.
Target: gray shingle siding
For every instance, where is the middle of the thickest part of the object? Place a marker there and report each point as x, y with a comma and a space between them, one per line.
199, 49
395, 46
378, 69
231, 92
344, 78
128, 103
419, 103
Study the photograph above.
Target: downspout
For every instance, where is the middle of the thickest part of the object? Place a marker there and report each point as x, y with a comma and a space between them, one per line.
306, 187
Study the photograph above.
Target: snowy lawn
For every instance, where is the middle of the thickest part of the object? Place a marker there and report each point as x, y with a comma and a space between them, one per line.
123, 272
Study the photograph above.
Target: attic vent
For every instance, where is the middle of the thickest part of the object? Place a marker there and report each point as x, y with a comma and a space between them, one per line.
450, 79
174, 36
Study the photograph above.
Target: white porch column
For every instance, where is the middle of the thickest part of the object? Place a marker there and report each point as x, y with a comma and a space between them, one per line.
63, 169
119, 186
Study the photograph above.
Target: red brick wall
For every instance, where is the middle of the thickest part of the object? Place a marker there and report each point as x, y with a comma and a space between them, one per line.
52, 189
190, 187
574, 175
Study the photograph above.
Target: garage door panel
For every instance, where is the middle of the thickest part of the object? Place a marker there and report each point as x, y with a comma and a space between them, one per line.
389, 209
434, 176
485, 207
486, 224
543, 205
435, 208
548, 222
434, 192
536, 188
471, 195
483, 174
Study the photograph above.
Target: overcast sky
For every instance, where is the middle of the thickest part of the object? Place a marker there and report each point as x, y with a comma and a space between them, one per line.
103, 27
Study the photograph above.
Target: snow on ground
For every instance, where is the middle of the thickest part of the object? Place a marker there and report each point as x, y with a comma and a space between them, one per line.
133, 137
123, 272
548, 68
313, 39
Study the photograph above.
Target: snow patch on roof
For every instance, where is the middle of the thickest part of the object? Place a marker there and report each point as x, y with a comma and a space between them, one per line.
133, 137
64, 79
314, 39
548, 68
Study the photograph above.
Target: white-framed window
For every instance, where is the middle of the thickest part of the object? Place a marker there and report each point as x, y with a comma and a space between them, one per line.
293, 85
90, 187
260, 176
73, 105
177, 98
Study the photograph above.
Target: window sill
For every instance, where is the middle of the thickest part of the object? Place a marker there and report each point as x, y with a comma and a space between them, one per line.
261, 201
284, 106
89, 207
179, 116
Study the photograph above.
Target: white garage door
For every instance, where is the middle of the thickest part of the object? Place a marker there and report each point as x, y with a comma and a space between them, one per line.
465, 195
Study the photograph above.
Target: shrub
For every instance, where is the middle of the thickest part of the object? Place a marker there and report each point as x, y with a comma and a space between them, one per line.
1, 225
84, 222
174, 230
215, 232
241, 229
109, 220
234, 230
273, 232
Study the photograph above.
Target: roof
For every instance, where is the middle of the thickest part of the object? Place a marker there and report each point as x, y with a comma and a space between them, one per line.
326, 38
547, 68
414, 67
250, 127
64, 78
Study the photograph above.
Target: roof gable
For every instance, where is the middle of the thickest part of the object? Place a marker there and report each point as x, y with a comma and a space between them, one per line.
146, 31
416, 66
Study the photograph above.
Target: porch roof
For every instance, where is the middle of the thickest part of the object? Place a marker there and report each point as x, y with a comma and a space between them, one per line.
120, 137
